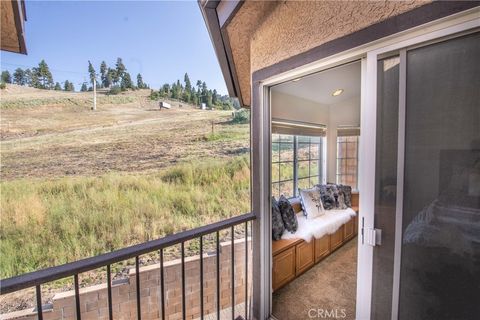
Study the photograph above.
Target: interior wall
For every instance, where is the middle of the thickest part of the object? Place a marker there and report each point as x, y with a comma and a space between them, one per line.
344, 113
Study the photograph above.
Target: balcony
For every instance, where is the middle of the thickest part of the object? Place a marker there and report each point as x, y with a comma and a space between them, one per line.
215, 284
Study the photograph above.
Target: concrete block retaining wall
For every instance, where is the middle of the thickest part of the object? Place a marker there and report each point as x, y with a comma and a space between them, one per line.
94, 299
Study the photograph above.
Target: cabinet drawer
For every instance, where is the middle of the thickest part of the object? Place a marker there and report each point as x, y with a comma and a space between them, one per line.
336, 239
305, 255
283, 268
322, 247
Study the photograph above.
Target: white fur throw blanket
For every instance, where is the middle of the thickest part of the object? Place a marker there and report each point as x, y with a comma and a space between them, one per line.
320, 226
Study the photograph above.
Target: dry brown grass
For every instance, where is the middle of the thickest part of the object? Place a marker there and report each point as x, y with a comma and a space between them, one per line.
58, 140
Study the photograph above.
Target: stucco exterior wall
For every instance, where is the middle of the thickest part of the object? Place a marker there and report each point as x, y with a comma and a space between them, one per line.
263, 34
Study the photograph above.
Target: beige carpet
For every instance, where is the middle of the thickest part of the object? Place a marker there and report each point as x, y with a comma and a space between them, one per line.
326, 291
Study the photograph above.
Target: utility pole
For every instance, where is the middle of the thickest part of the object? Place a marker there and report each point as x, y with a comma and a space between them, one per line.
94, 94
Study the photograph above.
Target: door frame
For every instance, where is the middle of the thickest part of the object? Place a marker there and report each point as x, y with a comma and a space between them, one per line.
261, 155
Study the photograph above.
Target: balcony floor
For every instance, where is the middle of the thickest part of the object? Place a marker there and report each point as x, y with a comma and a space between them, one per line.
330, 284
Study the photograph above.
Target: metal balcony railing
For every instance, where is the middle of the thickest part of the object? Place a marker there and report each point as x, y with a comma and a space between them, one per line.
73, 269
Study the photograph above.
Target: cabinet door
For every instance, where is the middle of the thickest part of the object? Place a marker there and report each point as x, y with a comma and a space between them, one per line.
355, 225
336, 239
305, 253
322, 247
349, 228
283, 268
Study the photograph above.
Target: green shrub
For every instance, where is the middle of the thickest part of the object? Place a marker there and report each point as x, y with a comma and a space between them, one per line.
154, 95
241, 116
115, 90
3, 85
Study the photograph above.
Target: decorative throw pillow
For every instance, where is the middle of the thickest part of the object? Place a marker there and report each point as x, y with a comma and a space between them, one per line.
347, 194
311, 202
339, 197
327, 196
332, 197
288, 215
277, 222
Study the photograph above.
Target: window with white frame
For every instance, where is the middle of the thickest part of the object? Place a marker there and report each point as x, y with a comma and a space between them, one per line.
297, 162
347, 160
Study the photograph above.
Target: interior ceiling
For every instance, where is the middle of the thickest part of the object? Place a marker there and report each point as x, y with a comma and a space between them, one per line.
318, 87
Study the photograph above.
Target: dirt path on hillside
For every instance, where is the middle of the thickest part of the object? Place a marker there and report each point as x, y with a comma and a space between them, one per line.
116, 139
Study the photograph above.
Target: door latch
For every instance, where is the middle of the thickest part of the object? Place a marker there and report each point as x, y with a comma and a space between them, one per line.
373, 237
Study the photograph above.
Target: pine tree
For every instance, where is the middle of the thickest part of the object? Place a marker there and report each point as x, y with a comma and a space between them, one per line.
103, 75
58, 87
140, 83
84, 87
126, 81
209, 98
6, 77
173, 91
215, 100
34, 81
68, 86
44, 76
19, 77
204, 93
28, 77
110, 78
119, 71
165, 91
188, 84
194, 97
199, 86
91, 72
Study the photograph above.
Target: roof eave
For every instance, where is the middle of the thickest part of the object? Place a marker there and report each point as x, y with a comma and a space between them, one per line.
217, 16
20, 17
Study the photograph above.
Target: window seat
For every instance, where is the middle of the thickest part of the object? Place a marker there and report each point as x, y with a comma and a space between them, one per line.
292, 255
326, 224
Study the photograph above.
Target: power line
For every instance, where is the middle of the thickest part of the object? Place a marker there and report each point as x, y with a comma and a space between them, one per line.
56, 70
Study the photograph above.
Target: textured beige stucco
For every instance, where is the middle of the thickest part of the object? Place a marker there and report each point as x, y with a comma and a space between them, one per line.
262, 34
240, 30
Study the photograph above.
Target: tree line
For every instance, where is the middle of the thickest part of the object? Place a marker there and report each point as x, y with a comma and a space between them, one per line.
194, 94
117, 79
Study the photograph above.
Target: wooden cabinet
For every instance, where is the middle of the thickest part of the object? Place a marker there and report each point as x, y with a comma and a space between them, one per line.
322, 248
292, 257
349, 229
305, 253
283, 268
336, 239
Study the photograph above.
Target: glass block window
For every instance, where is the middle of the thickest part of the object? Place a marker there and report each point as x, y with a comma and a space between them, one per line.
347, 160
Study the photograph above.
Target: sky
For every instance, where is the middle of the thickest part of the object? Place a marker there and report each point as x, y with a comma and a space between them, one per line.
159, 39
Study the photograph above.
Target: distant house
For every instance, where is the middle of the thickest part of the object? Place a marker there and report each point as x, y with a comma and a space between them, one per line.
164, 105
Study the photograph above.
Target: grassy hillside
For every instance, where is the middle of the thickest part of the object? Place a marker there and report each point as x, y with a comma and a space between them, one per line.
51, 222
77, 182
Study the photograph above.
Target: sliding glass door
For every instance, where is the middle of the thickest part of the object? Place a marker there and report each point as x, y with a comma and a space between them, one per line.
427, 182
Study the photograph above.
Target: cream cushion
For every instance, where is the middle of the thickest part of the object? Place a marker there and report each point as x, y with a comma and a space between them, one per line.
311, 202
